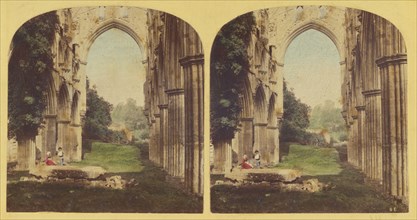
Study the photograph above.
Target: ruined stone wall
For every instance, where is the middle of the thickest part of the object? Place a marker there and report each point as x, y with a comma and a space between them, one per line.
374, 91
262, 99
175, 102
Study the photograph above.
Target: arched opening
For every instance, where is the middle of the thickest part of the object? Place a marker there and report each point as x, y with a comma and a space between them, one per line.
313, 76
63, 103
260, 107
115, 76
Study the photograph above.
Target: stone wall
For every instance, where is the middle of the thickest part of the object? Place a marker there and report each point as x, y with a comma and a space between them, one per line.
174, 98
375, 100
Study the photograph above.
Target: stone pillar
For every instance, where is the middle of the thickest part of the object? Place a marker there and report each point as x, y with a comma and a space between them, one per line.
26, 154
50, 134
361, 136
260, 143
63, 138
157, 141
393, 70
194, 126
236, 146
374, 131
176, 131
222, 157
354, 146
164, 134
152, 144
273, 143
246, 139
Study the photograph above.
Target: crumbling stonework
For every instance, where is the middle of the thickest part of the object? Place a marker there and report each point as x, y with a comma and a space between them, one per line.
173, 88
373, 64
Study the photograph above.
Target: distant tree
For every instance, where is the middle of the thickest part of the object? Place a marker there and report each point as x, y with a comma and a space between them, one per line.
229, 65
30, 63
97, 117
132, 116
327, 116
296, 118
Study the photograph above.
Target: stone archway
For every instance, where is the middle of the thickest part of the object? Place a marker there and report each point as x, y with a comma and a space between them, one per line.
173, 87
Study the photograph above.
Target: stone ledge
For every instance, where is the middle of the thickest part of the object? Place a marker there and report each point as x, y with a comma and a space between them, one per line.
263, 175
72, 172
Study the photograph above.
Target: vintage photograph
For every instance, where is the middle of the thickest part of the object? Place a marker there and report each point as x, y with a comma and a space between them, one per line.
308, 113
105, 113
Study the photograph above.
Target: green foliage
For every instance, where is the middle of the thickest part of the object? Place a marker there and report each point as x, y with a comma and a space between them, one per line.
130, 115
295, 120
229, 66
97, 117
133, 118
30, 64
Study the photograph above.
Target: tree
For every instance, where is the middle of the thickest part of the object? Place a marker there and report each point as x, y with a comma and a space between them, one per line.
97, 117
30, 64
328, 117
296, 118
229, 66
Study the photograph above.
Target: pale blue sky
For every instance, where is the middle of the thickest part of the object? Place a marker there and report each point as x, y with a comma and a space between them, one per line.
114, 66
312, 68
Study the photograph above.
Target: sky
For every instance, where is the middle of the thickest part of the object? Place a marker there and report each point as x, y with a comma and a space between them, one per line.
312, 69
114, 66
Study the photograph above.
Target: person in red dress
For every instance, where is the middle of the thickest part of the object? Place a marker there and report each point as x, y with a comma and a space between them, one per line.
245, 163
48, 160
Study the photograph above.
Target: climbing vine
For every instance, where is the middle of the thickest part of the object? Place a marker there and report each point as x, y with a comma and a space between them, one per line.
30, 63
229, 66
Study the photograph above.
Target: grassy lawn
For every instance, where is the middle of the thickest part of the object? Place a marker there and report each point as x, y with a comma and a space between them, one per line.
350, 194
153, 194
312, 160
114, 158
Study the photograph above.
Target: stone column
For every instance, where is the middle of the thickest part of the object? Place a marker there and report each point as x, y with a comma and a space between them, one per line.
26, 154
194, 126
158, 150
152, 142
273, 143
354, 145
374, 130
163, 109
222, 157
260, 134
361, 136
393, 70
246, 142
237, 150
50, 134
64, 139
176, 130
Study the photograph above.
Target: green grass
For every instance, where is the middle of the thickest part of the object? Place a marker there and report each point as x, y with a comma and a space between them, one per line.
312, 160
349, 195
153, 194
113, 157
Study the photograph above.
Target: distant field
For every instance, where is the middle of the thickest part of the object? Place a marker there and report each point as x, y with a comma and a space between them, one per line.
312, 160
112, 157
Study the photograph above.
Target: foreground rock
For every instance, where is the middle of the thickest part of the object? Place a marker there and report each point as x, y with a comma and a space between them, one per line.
310, 185
263, 175
67, 172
